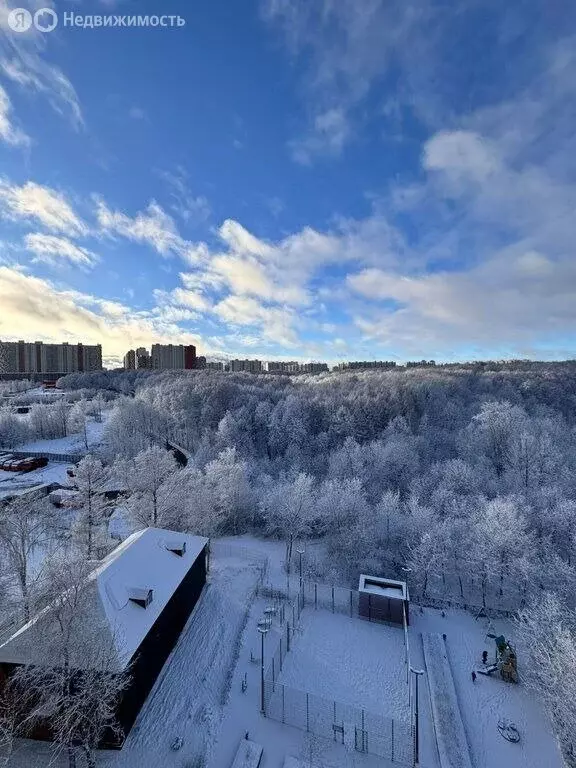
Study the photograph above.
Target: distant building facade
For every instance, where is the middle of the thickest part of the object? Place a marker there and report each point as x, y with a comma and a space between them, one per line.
22, 357
130, 360
251, 366
360, 365
421, 364
215, 366
291, 366
143, 359
173, 357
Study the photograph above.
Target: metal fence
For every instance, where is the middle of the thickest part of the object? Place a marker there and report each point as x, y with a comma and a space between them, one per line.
352, 726
68, 458
355, 727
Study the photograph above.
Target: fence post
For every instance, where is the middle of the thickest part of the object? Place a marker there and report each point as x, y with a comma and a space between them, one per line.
288, 637
293, 617
369, 607
280, 665
392, 745
315, 596
307, 714
273, 673
350, 603
283, 707
332, 598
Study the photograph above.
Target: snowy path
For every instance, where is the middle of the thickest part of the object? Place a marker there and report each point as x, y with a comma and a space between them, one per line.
188, 698
450, 734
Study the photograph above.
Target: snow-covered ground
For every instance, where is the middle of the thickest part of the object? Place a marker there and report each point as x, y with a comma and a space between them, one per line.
69, 444
369, 658
17, 482
488, 700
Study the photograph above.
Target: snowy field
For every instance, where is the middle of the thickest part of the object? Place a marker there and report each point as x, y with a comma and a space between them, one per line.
70, 443
369, 660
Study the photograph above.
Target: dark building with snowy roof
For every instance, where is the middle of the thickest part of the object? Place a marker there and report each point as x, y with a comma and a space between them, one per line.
140, 598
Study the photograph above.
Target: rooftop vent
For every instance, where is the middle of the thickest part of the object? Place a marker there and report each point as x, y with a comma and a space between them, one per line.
141, 596
177, 547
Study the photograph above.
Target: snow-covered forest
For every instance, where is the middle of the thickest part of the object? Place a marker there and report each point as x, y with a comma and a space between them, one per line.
459, 479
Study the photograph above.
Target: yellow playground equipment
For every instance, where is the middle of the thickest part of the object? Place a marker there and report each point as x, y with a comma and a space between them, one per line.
506, 661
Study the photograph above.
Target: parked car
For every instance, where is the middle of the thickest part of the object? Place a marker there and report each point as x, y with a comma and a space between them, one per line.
28, 464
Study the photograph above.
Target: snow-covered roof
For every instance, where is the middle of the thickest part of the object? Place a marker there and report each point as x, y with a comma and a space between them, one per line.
375, 585
152, 562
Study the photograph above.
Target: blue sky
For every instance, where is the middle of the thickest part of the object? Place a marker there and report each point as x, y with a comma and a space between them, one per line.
308, 179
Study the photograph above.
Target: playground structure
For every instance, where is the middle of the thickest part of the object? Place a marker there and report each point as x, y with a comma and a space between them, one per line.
505, 661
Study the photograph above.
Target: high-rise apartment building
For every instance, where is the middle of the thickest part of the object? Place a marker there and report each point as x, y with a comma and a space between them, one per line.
130, 360
143, 359
281, 366
19, 357
172, 356
252, 366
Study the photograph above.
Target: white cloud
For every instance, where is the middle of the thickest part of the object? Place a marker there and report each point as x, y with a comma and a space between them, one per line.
461, 153
191, 299
8, 132
137, 113
55, 251
330, 132
22, 60
348, 47
276, 324
41, 204
193, 209
35, 309
152, 226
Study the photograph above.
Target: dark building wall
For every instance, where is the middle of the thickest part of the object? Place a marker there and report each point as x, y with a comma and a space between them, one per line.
380, 608
190, 357
158, 644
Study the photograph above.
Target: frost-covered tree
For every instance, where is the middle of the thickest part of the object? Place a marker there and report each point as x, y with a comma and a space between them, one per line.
13, 429
290, 509
24, 526
150, 469
89, 529
227, 479
548, 631
78, 420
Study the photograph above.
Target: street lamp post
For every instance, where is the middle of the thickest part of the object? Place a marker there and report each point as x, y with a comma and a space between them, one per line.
263, 629
300, 551
416, 673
